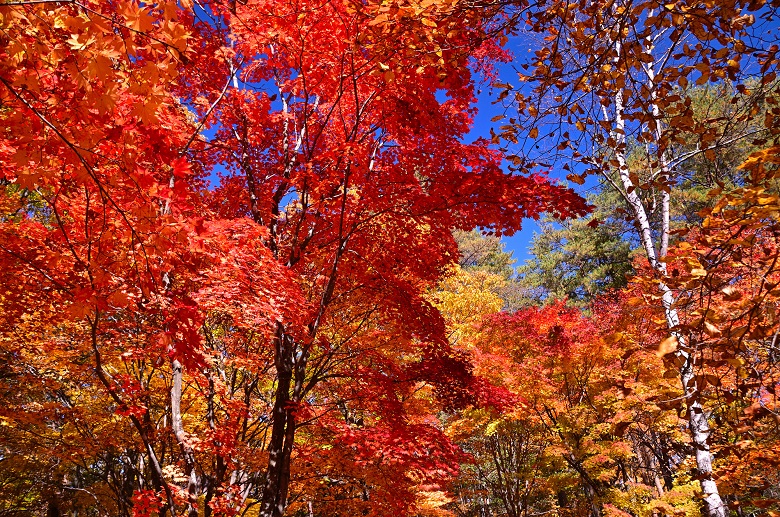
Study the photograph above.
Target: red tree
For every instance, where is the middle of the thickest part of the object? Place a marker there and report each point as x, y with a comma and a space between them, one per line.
221, 324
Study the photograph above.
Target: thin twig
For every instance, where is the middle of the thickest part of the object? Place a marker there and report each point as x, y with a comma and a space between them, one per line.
211, 108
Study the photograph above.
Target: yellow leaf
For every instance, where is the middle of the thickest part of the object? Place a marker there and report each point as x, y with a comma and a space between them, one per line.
80, 41
731, 294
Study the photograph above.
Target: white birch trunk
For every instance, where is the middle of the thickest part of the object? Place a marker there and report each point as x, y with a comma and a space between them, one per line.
181, 437
697, 418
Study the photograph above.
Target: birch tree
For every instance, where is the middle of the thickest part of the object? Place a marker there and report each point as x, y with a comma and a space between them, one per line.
614, 75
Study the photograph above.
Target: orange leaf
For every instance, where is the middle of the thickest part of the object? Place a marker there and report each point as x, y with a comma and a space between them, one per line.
667, 346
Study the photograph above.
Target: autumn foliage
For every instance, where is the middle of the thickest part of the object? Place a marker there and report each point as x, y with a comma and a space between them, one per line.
229, 280
172, 344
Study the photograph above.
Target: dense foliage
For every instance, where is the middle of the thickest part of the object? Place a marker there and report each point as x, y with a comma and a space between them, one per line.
240, 274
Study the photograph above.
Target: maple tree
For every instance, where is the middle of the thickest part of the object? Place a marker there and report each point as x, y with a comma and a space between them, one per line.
580, 434
264, 342
624, 438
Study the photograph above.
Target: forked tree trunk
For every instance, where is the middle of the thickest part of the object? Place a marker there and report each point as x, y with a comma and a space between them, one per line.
697, 417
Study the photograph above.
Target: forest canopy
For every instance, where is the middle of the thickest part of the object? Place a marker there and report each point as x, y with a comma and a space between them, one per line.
251, 259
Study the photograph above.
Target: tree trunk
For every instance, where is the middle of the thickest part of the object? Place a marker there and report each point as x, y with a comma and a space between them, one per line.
274, 497
697, 418
215, 481
181, 438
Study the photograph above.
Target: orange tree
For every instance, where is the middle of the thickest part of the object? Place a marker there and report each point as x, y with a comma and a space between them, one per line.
581, 427
610, 74
727, 275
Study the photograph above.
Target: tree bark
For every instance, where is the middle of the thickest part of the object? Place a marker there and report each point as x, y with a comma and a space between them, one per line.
697, 418
181, 438
274, 497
